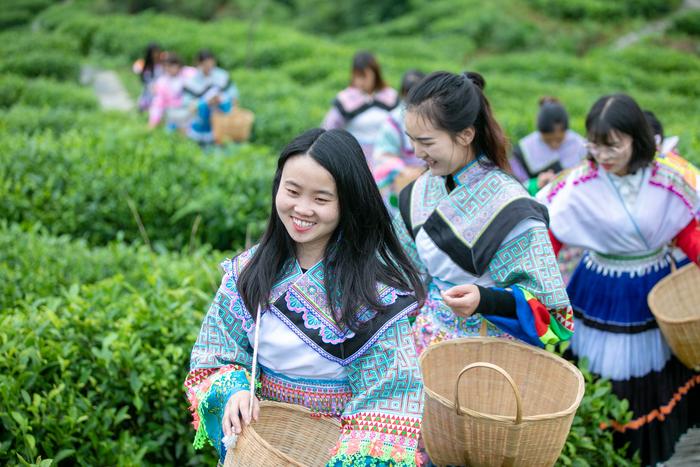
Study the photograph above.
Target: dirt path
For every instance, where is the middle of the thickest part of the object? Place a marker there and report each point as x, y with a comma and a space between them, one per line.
108, 88
655, 27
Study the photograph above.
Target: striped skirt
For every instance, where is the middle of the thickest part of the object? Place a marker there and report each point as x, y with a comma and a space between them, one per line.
619, 336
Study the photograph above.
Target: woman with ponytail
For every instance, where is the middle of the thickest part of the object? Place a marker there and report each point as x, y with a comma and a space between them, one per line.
472, 228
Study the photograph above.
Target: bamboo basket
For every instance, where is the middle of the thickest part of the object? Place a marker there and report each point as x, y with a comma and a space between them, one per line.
285, 435
493, 402
233, 126
675, 302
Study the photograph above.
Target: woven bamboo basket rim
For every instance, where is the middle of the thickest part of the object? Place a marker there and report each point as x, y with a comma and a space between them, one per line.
669, 281
250, 429
508, 418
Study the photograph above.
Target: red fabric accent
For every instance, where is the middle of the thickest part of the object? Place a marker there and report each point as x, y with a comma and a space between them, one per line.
688, 240
556, 244
541, 315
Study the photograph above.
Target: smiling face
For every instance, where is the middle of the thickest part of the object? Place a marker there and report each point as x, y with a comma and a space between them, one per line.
307, 203
443, 154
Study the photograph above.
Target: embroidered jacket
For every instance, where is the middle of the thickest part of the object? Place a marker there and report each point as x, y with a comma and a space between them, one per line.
370, 378
489, 232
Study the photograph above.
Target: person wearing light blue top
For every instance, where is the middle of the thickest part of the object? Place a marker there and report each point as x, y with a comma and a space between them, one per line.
209, 90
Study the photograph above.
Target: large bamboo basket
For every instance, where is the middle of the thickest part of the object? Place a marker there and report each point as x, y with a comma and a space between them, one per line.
285, 435
494, 402
675, 302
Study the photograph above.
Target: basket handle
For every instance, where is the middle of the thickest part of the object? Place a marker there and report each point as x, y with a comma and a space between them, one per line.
504, 373
254, 365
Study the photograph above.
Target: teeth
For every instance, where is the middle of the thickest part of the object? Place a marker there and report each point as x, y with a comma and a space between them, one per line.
301, 223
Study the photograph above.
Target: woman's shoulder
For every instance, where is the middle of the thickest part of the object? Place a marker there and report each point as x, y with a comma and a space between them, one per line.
387, 96
236, 264
675, 174
568, 179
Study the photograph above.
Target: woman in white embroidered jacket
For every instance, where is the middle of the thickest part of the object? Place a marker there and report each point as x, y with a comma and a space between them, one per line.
625, 206
334, 289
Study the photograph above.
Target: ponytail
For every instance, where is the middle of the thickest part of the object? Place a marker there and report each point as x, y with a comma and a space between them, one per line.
454, 103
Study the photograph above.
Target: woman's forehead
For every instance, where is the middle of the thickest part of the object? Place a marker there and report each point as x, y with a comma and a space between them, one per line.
305, 172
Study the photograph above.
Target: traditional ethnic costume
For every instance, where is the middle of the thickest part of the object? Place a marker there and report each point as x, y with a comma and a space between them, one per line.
199, 89
361, 114
167, 102
532, 156
489, 232
626, 224
370, 378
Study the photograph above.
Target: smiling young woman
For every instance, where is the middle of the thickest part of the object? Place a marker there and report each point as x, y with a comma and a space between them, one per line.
334, 289
472, 228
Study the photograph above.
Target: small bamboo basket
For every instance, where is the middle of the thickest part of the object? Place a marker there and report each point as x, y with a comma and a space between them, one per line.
233, 126
675, 302
493, 402
285, 435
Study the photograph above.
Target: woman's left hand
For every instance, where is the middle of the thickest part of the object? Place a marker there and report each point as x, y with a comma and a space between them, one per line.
463, 299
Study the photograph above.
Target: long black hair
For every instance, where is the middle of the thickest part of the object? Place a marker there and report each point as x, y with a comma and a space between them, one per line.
149, 61
363, 250
454, 103
619, 112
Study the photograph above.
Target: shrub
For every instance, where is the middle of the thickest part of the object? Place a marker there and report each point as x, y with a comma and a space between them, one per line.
11, 88
52, 94
27, 120
588, 444
688, 23
34, 54
35, 265
93, 375
34, 63
93, 185
19, 12
603, 10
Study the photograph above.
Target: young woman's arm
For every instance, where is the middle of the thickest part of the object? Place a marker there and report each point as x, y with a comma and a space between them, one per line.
688, 240
381, 424
221, 362
530, 300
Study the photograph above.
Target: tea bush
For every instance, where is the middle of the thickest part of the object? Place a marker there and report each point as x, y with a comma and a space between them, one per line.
92, 374
94, 184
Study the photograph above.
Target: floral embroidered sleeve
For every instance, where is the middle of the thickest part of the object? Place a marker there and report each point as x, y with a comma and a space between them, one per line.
529, 301
381, 424
220, 362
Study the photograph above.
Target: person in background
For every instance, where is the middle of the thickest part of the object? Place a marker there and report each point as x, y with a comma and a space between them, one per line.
395, 162
539, 156
625, 206
663, 144
329, 298
149, 68
167, 103
364, 105
209, 90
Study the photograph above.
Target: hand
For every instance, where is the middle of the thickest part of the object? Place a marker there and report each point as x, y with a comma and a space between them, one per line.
214, 100
236, 411
463, 299
544, 178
